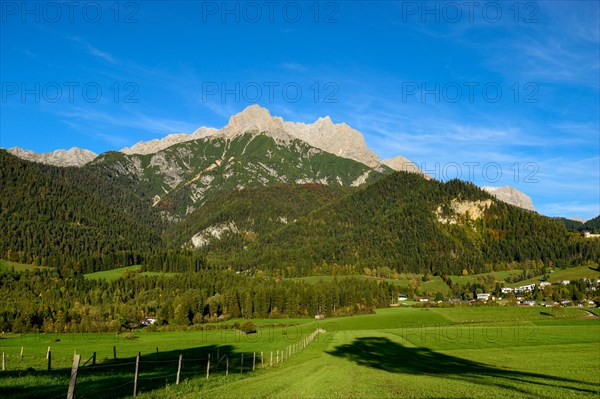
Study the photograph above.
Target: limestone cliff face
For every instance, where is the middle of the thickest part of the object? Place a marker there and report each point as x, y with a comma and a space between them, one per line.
336, 138
511, 196
72, 157
458, 210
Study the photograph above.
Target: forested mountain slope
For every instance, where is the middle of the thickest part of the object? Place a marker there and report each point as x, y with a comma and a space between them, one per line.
236, 218
68, 218
407, 223
181, 177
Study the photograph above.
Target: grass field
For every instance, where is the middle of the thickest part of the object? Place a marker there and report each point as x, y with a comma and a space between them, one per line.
436, 284
19, 267
432, 286
573, 273
114, 274
399, 352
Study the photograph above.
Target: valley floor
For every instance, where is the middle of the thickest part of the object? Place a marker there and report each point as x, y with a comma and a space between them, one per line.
396, 353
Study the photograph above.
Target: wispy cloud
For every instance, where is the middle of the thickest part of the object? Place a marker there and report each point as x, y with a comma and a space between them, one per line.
101, 54
570, 209
28, 53
294, 67
128, 124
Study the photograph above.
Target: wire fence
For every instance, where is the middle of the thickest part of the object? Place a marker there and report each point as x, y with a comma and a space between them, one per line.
128, 377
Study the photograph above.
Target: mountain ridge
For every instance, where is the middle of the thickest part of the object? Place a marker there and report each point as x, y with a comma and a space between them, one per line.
338, 139
74, 156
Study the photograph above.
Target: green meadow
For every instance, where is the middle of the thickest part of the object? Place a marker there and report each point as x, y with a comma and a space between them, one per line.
115, 274
19, 267
463, 352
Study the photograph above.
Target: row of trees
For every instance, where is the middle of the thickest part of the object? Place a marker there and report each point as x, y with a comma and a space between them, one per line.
45, 300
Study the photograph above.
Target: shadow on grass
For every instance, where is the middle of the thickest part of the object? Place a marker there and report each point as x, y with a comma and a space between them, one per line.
114, 379
384, 354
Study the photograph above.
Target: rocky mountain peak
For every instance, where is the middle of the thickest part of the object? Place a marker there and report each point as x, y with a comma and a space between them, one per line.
511, 196
336, 138
253, 119
402, 164
72, 157
324, 121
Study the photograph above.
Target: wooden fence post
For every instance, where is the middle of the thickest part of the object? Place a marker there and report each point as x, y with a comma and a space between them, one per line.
49, 355
135, 377
277, 357
115, 353
73, 381
21, 352
94, 360
179, 367
271, 359
3, 362
226, 365
262, 360
254, 361
208, 367
242, 365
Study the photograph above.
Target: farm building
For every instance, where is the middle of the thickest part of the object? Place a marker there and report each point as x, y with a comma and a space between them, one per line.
525, 288
148, 321
483, 297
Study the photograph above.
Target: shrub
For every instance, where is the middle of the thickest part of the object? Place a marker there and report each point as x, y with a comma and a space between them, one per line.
247, 327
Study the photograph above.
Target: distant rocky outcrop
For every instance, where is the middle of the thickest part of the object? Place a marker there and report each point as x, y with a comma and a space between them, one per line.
72, 157
401, 164
511, 196
156, 145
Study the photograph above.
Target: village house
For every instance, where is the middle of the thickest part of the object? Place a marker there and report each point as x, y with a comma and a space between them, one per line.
483, 297
544, 284
148, 321
528, 303
525, 288
506, 290
588, 234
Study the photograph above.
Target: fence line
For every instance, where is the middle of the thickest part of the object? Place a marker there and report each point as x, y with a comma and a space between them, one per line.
184, 366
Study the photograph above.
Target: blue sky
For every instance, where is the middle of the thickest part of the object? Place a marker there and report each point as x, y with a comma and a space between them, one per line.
500, 92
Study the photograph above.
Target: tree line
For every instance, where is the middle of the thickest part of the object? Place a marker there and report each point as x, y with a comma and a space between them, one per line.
44, 300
